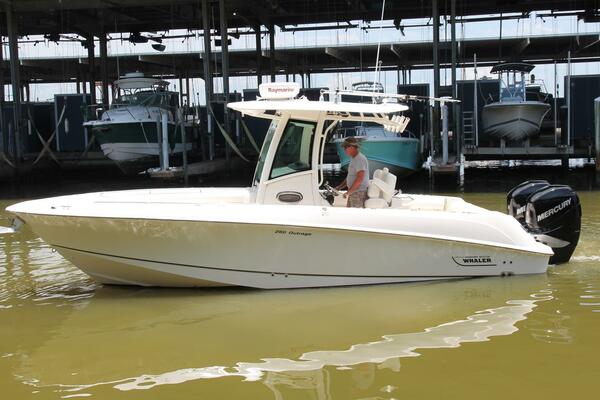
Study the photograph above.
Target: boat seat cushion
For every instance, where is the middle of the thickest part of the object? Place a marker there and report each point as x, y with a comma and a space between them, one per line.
381, 187
376, 203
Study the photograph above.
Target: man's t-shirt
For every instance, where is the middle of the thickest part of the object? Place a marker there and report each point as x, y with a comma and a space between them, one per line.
358, 163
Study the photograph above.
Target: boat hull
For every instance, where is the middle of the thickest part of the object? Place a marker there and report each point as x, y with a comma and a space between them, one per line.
130, 141
513, 121
134, 151
175, 253
399, 155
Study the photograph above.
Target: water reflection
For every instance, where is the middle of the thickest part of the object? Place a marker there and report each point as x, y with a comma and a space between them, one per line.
30, 269
309, 372
478, 327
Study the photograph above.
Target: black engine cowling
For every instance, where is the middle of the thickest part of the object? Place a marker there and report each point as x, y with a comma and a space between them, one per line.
516, 199
552, 215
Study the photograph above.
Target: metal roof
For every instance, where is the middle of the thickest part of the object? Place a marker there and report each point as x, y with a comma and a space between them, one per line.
96, 16
243, 62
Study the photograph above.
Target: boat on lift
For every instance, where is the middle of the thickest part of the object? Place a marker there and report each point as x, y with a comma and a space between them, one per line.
290, 229
398, 152
514, 117
130, 129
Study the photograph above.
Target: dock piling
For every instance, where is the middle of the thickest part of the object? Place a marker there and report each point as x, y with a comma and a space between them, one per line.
165, 142
257, 36
444, 133
475, 102
184, 144
272, 51
435, 23
225, 70
92, 67
104, 69
597, 132
15, 74
208, 81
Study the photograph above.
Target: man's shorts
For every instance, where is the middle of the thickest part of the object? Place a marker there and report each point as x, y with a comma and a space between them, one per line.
357, 200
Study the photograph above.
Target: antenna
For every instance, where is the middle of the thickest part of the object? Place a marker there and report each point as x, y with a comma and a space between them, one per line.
379, 43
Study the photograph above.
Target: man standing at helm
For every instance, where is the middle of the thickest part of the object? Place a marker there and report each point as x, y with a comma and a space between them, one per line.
357, 179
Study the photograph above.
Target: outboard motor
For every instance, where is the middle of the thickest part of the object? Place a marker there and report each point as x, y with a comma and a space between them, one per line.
551, 213
516, 199
553, 216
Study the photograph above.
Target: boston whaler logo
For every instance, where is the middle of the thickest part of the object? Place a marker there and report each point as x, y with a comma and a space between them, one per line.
474, 261
554, 210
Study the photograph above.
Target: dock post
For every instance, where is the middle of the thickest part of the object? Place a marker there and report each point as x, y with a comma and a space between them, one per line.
225, 72
436, 74
272, 51
257, 36
2, 99
104, 69
184, 144
208, 82
164, 148
159, 140
2, 132
444, 133
568, 94
597, 131
180, 90
456, 127
475, 101
187, 91
92, 67
15, 74
555, 105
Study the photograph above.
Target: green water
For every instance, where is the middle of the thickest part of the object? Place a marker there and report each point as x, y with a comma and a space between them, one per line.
531, 337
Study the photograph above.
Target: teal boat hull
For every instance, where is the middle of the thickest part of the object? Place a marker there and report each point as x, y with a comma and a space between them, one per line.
399, 155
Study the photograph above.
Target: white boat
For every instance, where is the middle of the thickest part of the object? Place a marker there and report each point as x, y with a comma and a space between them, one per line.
131, 128
514, 117
289, 229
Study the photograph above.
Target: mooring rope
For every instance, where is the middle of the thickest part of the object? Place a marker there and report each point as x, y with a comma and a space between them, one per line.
227, 137
250, 137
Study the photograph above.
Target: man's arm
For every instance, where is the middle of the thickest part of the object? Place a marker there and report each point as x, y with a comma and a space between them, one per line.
360, 175
342, 185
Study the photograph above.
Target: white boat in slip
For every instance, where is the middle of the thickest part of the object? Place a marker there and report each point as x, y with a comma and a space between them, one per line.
131, 128
514, 117
289, 229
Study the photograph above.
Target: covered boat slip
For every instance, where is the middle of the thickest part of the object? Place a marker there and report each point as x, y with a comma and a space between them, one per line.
94, 24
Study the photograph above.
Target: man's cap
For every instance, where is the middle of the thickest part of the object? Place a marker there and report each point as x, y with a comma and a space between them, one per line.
351, 141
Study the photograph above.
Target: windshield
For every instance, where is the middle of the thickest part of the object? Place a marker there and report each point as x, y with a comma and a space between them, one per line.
294, 152
265, 149
148, 99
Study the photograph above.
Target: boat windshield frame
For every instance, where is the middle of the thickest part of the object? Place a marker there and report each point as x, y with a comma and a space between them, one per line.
287, 134
147, 98
264, 151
